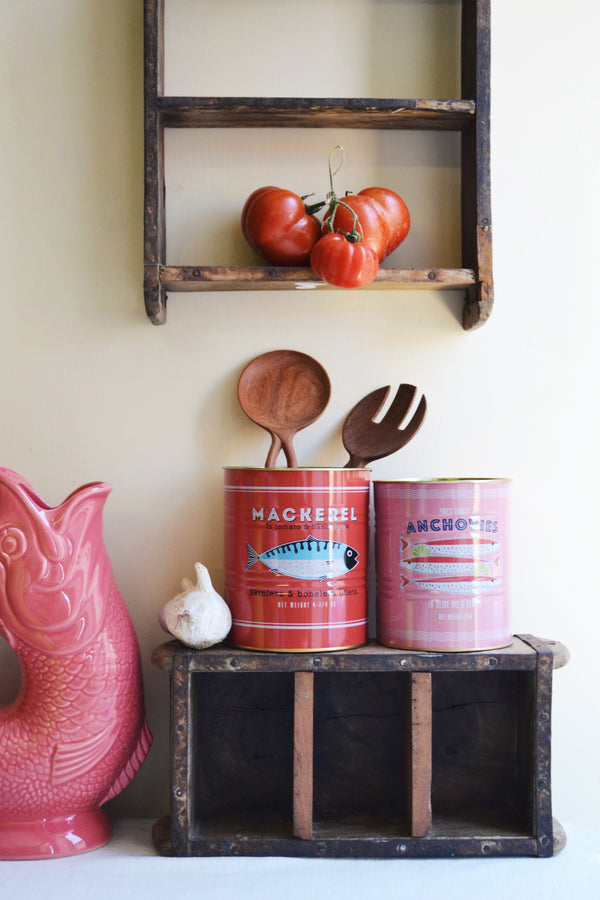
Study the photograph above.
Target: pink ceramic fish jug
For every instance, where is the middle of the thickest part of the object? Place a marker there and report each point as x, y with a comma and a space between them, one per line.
76, 734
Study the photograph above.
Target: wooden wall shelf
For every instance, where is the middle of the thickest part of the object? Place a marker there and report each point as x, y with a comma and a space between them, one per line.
370, 752
469, 115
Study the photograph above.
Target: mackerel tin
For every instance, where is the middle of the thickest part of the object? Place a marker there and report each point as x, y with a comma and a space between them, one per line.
296, 548
442, 563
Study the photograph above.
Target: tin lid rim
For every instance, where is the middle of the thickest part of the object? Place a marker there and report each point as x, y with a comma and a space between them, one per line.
450, 480
294, 469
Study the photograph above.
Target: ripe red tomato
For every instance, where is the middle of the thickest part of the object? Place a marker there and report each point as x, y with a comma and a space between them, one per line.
343, 263
383, 218
396, 211
277, 225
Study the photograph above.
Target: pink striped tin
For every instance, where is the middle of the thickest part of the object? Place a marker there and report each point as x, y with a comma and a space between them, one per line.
296, 557
442, 563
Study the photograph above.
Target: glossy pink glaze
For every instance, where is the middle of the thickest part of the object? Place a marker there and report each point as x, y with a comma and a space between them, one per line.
76, 734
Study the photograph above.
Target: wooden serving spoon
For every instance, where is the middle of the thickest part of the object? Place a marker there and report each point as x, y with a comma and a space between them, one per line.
283, 391
366, 440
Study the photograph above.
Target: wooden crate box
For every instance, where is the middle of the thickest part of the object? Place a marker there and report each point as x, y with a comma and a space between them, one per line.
371, 752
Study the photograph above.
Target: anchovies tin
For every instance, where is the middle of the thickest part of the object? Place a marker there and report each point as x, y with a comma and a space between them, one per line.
296, 548
442, 563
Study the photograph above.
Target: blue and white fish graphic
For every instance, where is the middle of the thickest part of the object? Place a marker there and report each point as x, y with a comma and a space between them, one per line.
471, 547
310, 559
440, 565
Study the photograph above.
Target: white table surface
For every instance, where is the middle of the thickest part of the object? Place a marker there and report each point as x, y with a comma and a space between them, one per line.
129, 867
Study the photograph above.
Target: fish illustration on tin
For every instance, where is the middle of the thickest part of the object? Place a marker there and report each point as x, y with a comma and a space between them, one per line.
463, 547
309, 559
456, 585
441, 565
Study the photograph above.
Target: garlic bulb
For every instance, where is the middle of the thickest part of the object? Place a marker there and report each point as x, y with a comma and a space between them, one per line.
199, 616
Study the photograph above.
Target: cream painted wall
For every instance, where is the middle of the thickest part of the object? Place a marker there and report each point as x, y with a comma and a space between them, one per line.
91, 390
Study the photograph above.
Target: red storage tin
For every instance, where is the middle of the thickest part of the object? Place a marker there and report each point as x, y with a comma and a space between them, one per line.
296, 548
442, 563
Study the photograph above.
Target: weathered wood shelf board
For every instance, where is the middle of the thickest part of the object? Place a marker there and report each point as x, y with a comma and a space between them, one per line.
371, 752
469, 115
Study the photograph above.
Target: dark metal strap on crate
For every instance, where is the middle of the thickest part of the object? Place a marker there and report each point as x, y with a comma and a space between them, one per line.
542, 780
181, 722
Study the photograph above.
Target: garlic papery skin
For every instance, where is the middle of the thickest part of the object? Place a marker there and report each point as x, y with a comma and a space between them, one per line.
198, 617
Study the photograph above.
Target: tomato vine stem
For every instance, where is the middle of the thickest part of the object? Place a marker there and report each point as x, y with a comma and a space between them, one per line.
356, 234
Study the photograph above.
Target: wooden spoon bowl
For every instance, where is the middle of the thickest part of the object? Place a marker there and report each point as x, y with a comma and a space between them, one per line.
283, 391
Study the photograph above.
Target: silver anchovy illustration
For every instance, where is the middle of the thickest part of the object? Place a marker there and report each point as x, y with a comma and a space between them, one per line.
441, 566
457, 586
471, 547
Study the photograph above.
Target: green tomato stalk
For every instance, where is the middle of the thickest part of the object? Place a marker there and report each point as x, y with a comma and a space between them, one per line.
312, 208
356, 234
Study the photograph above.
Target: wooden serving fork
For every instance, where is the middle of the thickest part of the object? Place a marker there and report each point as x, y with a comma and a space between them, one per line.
367, 440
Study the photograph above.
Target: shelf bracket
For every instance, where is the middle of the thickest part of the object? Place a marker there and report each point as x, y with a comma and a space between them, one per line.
480, 297
478, 305
155, 295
